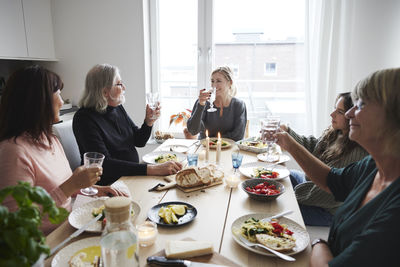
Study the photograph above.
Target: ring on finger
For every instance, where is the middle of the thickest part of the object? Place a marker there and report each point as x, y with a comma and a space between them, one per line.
97, 173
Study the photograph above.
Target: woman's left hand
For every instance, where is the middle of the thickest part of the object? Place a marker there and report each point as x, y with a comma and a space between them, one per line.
152, 115
108, 191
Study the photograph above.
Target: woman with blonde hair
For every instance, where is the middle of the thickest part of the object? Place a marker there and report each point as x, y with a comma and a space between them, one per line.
231, 115
365, 229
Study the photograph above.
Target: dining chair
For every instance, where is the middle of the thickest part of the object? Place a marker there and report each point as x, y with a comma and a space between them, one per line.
65, 134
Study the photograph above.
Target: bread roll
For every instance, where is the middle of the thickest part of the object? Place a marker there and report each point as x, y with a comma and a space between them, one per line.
194, 176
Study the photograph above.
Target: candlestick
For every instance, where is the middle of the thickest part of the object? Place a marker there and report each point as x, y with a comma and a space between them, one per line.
232, 181
147, 233
217, 161
207, 147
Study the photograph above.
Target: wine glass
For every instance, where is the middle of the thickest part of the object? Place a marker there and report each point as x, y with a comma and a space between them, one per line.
153, 102
236, 160
269, 127
212, 99
91, 159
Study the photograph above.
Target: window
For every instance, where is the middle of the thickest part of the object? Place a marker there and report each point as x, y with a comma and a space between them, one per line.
270, 68
191, 37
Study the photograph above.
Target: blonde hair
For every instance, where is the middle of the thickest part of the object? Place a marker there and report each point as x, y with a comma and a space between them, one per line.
383, 87
99, 77
228, 74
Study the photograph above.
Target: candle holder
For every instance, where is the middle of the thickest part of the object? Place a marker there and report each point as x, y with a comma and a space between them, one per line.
147, 233
232, 180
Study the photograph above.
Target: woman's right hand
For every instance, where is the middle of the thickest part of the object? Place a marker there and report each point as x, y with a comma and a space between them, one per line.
204, 96
166, 168
82, 177
284, 140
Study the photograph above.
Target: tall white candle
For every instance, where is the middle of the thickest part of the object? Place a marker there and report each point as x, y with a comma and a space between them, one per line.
219, 142
207, 147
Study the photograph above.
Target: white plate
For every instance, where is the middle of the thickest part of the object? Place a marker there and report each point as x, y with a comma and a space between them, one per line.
282, 158
82, 215
150, 157
248, 169
299, 233
64, 255
175, 148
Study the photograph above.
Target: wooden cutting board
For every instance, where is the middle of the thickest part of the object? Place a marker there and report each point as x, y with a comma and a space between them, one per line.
214, 258
172, 183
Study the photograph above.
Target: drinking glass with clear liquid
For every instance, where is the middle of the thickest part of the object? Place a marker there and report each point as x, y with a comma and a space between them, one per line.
153, 101
92, 159
212, 99
269, 127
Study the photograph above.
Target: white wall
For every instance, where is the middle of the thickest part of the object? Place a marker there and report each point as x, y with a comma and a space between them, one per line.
376, 37
101, 31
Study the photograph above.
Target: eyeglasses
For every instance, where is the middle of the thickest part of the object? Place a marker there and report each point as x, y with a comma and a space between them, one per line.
359, 104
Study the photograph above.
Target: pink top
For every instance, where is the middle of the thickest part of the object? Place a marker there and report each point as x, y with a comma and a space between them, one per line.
40, 165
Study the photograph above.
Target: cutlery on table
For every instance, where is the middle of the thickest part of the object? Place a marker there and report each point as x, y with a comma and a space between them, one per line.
251, 244
173, 262
277, 215
75, 234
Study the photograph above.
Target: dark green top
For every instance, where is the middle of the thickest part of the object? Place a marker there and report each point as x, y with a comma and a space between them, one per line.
370, 235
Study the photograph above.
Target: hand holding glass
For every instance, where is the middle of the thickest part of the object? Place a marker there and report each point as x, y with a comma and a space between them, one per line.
153, 101
269, 127
92, 159
212, 99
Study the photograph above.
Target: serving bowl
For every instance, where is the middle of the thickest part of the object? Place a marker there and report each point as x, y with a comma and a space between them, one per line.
262, 197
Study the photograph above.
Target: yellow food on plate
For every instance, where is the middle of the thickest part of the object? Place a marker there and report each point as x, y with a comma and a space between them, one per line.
257, 144
166, 157
170, 213
86, 257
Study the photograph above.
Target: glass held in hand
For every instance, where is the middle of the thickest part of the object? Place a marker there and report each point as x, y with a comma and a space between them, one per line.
212, 99
236, 160
153, 101
92, 159
269, 127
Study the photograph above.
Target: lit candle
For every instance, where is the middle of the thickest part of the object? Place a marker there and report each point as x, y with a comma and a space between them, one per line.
207, 147
232, 181
147, 233
219, 142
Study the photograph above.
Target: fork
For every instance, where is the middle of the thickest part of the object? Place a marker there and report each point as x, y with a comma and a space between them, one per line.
251, 244
277, 216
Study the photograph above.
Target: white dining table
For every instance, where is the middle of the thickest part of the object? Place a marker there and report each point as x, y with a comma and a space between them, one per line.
218, 207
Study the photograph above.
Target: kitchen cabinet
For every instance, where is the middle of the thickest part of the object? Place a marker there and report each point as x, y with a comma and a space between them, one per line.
26, 30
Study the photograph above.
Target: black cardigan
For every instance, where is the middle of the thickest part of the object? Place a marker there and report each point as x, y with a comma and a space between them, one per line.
115, 135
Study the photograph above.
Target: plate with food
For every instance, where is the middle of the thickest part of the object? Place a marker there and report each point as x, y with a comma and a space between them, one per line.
283, 235
84, 252
264, 170
83, 214
253, 144
159, 157
174, 213
225, 142
162, 136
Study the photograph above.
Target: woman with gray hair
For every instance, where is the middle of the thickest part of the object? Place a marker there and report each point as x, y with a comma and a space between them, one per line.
102, 125
230, 117
365, 229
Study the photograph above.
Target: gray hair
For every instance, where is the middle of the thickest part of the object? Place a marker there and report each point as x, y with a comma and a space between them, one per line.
382, 87
99, 77
228, 74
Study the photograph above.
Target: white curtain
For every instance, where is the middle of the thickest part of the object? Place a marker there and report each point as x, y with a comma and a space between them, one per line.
329, 25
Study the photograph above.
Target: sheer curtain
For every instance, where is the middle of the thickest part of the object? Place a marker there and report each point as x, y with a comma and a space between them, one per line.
329, 27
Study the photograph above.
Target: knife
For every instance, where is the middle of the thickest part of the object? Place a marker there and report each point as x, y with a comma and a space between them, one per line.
75, 234
173, 262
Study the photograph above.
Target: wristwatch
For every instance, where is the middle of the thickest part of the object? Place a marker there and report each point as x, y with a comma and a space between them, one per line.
317, 241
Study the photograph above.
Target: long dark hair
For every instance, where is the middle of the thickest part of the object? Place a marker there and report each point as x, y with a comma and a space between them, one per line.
334, 143
27, 104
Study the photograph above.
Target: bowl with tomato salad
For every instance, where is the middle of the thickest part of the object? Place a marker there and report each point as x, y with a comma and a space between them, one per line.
263, 190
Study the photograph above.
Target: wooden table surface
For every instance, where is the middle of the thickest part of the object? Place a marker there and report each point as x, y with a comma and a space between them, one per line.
218, 207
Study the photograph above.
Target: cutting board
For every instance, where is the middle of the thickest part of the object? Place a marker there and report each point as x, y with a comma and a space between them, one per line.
172, 183
214, 258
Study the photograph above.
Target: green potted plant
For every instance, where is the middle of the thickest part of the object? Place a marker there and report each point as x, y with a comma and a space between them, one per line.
21, 240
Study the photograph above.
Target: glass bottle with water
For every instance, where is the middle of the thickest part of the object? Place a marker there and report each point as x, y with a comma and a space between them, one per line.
119, 242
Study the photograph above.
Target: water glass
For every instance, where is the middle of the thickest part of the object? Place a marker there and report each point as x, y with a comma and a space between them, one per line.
92, 159
236, 160
212, 99
153, 101
192, 159
269, 127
